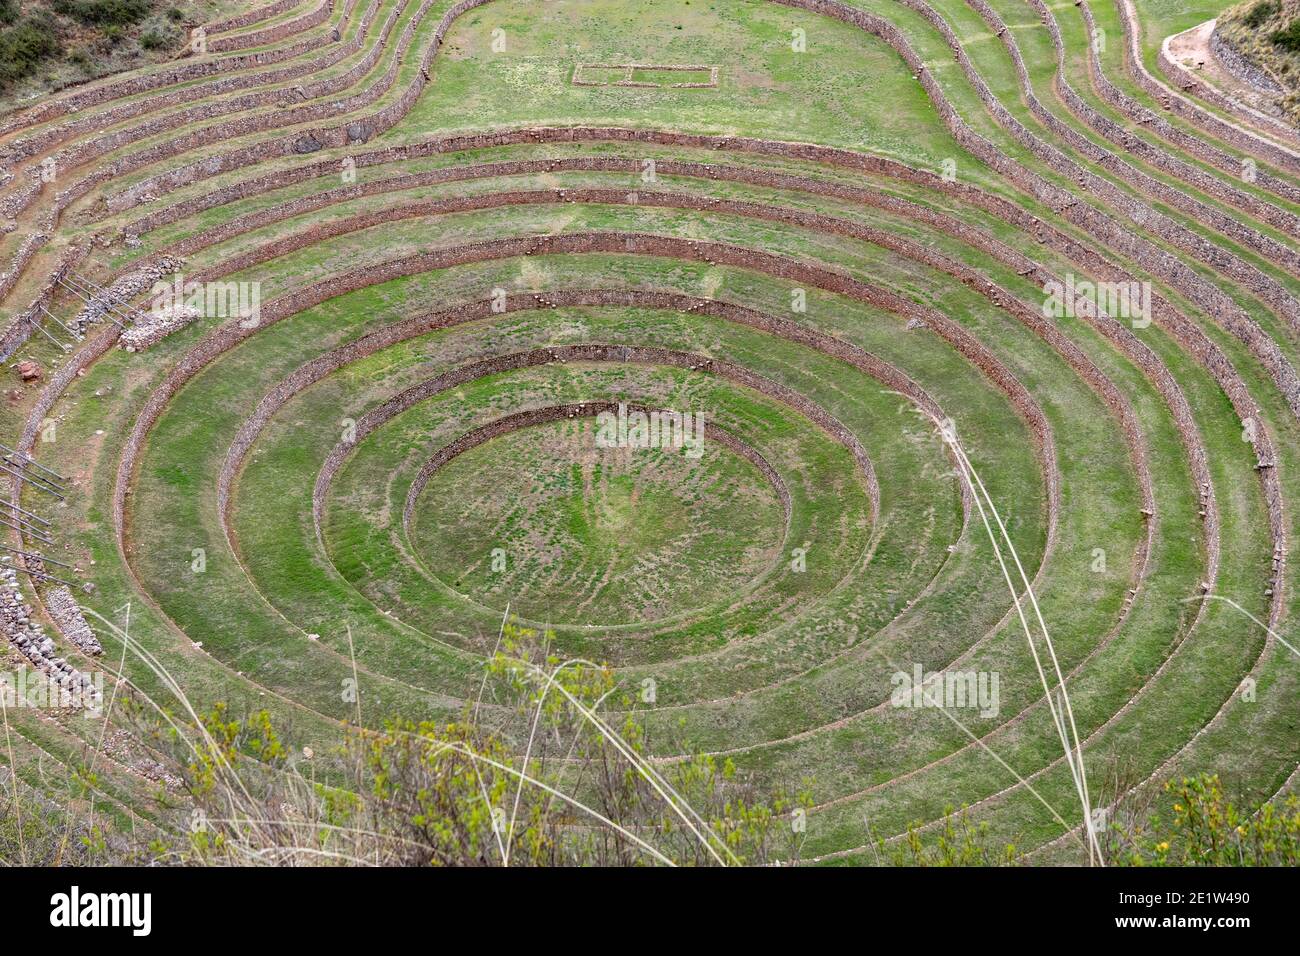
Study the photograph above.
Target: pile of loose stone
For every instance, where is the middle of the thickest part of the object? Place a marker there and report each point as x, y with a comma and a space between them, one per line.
16, 620
66, 612
124, 290
155, 325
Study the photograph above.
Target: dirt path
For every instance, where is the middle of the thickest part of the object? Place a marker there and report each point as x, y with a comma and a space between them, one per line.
1193, 51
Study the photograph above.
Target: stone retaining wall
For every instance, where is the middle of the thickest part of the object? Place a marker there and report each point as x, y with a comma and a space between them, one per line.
53, 391
31, 641
1114, 330
141, 277
95, 124
884, 238
226, 337
107, 91
243, 41
1099, 224
1204, 350
1285, 255
549, 250
1266, 289
1170, 268
31, 185
1186, 332
1198, 146
256, 15
1283, 156
1241, 66
60, 378
23, 324
554, 413
1066, 203
630, 354
1093, 221
20, 261
359, 130
85, 151
316, 370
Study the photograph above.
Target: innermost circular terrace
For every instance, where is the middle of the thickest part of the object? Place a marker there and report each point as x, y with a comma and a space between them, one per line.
622, 518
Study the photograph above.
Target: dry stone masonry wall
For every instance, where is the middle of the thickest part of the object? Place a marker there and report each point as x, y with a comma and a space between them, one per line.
29, 639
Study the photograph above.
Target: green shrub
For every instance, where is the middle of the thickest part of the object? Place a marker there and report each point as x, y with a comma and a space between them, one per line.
1260, 13
174, 14
8, 11
102, 13
959, 843
1288, 38
153, 40
458, 794
1207, 829
23, 46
